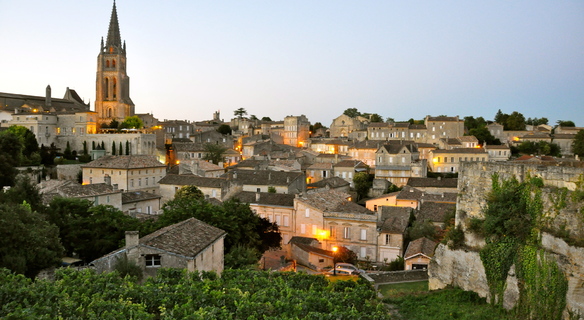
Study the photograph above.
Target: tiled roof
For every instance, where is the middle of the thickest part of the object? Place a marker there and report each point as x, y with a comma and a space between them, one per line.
409, 193
396, 148
332, 201
383, 196
564, 136
321, 166
468, 139
188, 147
401, 125
135, 196
443, 118
88, 190
394, 219
186, 238
426, 145
192, 180
460, 150
378, 124
350, 164
433, 183
418, 127
367, 144
125, 162
264, 177
434, 211
333, 182
315, 250
496, 147
424, 246
266, 198
303, 240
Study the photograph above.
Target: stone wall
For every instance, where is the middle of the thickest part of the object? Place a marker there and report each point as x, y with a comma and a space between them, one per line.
463, 268
68, 171
398, 276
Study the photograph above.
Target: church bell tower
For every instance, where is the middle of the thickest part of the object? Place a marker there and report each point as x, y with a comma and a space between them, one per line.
112, 83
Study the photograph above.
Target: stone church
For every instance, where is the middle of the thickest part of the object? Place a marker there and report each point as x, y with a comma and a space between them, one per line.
70, 120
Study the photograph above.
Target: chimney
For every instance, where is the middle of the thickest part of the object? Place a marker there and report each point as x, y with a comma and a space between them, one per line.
257, 196
115, 186
48, 96
132, 238
107, 179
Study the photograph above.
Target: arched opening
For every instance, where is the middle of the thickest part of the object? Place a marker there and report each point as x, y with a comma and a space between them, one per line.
107, 63
114, 88
109, 112
106, 89
113, 63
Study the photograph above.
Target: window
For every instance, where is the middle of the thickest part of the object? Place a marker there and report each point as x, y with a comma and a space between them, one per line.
347, 232
131, 182
152, 260
387, 239
286, 221
307, 213
314, 229
333, 231
363, 234
278, 219
303, 228
363, 252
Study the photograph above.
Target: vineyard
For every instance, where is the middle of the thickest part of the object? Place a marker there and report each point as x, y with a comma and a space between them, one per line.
175, 294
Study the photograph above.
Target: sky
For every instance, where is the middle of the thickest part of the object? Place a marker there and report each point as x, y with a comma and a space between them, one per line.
399, 59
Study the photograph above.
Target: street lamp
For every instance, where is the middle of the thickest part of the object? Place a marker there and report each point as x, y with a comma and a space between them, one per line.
335, 249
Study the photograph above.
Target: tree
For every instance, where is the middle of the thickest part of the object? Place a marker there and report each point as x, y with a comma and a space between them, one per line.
189, 192
483, 135
240, 112
472, 123
352, 112
253, 117
29, 243
578, 144
133, 122
566, 123
214, 152
113, 148
363, 182
515, 121
224, 129
10, 154
29, 143
67, 154
343, 254
114, 124
420, 229
266, 119
24, 190
127, 148
537, 121
375, 118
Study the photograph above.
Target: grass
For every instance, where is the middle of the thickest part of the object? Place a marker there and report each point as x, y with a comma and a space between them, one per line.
403, 288
415, 302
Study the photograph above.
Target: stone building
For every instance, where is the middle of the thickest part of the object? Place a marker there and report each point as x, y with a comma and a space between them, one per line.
343, 125
112, 101
191, 244
397, 162
130, 173
392, 225
450, 160
419, 253
296, 130
210, 187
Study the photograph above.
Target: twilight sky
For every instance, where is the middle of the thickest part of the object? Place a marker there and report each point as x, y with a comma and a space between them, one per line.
400, 59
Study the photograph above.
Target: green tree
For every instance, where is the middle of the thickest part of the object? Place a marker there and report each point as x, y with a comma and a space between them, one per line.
363, 182
253, 117
113, 148
566, 123
127, 148
272, 189
189, 192
515, 121
352, 112
224, 129
537, 121
133, 122
483, 135
343, 254
10, 154
240, 112
24, 190
578, 144
266, 119
214, 152
420, 229
67, 154
29, 243
28, 141
114, 124
474, 123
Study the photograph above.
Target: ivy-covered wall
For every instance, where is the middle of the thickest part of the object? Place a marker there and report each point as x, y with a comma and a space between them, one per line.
524, 223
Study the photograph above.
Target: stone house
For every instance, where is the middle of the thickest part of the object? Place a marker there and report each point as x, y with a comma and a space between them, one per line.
98, 193
296, 130
210, 187
335, 220
276, 207
397, 162
191, 244
135, 202
365, 151
564, 141
458, 142
343, 125
391, 226
329, 145
419, 253
388, 199
130, 173
263, 180
449, 160
333, 183
200, 168
443, 127
306, 252
498, 152
318, 172
347, 169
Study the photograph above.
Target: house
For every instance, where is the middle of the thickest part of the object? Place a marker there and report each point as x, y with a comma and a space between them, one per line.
296, 130
388, 199
458, 142
334, 183
335, 220
211, 187
449, 160
329, 145
130, 173
443, 127
564, 141
191, 244
434, 212
98, 193
318, 172
498, 152
201, 168
365, 151
343, 125
397, 162
265, 180
135, 202
391, 226
347, 169
306, 251
276, 207
419, 253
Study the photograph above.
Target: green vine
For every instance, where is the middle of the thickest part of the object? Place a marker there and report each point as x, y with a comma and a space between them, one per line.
514, 216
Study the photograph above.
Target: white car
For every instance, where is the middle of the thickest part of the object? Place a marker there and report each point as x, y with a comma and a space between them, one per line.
348, 266
341, 272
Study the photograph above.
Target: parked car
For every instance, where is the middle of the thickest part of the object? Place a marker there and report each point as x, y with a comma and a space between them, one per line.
348, 266
341, 272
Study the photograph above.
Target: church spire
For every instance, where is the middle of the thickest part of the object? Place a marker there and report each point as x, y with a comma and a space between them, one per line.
113, 35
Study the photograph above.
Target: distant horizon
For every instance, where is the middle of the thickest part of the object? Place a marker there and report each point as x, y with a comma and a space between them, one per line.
399, 60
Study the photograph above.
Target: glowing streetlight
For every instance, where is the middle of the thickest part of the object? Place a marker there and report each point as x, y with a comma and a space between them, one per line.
335, 249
